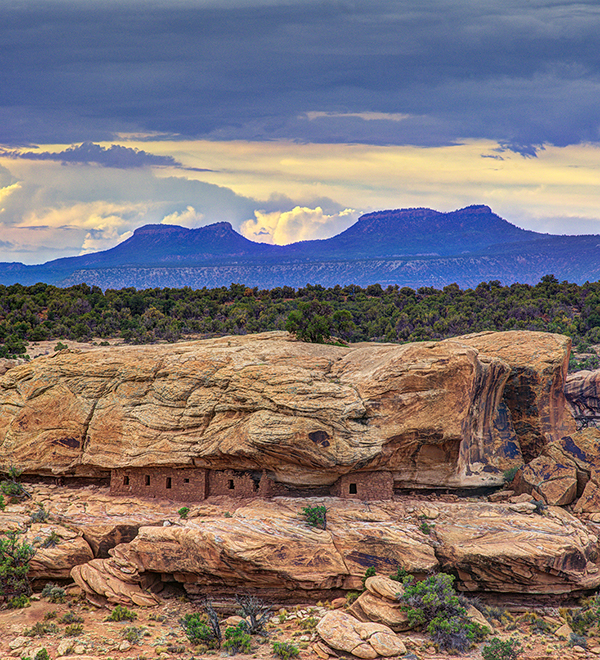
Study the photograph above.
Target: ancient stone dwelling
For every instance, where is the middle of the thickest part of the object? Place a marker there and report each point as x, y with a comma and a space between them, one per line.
196, 484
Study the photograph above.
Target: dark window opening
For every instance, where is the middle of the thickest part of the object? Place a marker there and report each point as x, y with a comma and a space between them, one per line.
168, 482
186, 481
256, 484
230, 485
147, 480
352, 489
125, 481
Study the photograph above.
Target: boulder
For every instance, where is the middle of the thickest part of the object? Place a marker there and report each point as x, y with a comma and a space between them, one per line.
582, 391
369, 607
363, 640
56, 561
555, 482
384, 587
429, 413
534, 394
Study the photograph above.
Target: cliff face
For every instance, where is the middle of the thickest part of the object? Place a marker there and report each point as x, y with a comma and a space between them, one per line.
431, 413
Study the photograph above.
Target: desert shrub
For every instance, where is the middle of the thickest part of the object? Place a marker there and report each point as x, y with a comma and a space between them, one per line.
577, 640
498, 649
18, 602
588, 615
310, 623
73, 630
198, 631
434, 605
285, 650
351, 596
121, 613
400, 575
40, 629
2, 503
370, 572
42, 654
316, 516
255, 612
60, 347
15, 556
54, 593
183, 512
426, 527
237, 639
51, 541
12, 487
71, 617
134, 635
511, 473
39, 516
51, 614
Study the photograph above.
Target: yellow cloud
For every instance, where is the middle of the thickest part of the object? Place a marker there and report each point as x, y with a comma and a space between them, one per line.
299, 224
189, 218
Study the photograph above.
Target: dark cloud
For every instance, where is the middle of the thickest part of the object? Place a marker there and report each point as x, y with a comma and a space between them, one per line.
523, 74
88, 152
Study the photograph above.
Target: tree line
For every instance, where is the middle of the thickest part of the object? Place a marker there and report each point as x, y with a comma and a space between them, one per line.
352, 313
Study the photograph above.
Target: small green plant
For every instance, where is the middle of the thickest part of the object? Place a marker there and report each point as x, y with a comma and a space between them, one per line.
71, 617
42, 654
2, 503
309, 623
237, 639
285, 650
40, 629
12, 487
498, 649
183, 512
426, 527
51, 614
54, 593
198, 631
15, 556
39, 516
134, 635
18, 602
351, 596
316, 516
73, 630
121, 613
511, 473
400, 575
51, 541
227, 515
60, 347
370, 572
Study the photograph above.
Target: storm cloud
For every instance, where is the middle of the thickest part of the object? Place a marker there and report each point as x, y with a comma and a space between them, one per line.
379, 72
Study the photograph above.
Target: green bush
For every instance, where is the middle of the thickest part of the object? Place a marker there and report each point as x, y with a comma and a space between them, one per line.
18, 602
39, 516
400, 575
434, 605
237, 639
121, 613
586, 617
11, 487
426, 527
183, 512
498, 649
285, 650
134, 635
71, 617
198, 631
40, 629
316, 516
42, 654
370, 572
15, 556
54, 593
73, 630
511, 473
51, 541
2, 503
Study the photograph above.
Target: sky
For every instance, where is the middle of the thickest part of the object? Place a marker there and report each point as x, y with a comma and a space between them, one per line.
291, 119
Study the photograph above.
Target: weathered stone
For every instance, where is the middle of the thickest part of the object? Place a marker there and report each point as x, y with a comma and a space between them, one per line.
534, 389
589, 502
56, 561
369, 607
384, 587
582, 391
556, 482
564, 632
429, 413
364, 640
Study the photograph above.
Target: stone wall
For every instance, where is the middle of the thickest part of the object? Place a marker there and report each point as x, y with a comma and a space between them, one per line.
237, 483
365, 486
184, 484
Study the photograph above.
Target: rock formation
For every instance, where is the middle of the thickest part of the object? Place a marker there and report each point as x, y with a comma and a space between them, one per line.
582, 391
435, 414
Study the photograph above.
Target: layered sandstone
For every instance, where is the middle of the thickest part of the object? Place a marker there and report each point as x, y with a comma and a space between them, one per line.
582, 390
434, 414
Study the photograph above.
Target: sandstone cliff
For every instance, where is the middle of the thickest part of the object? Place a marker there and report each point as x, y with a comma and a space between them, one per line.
438, 414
